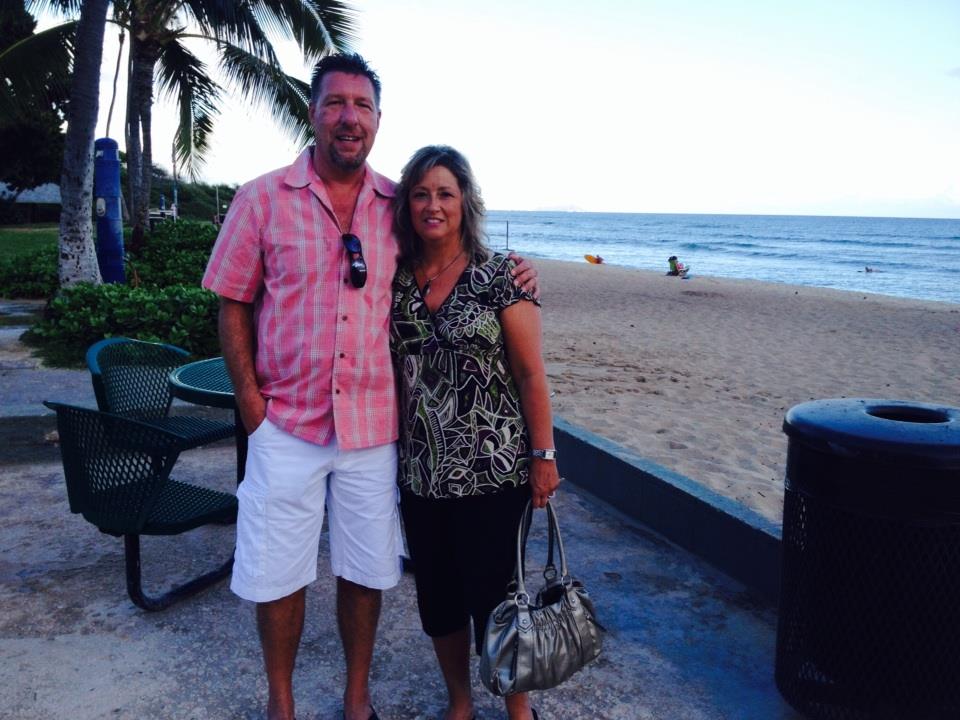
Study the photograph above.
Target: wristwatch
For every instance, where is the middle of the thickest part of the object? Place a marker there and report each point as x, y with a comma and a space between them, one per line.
547, 454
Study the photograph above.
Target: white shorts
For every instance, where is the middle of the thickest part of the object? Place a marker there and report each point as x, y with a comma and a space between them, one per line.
287, 483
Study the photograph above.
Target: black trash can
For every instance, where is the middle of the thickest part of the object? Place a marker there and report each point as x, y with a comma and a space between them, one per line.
869, 622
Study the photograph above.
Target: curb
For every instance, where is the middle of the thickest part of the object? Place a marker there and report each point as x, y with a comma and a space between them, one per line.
733, 538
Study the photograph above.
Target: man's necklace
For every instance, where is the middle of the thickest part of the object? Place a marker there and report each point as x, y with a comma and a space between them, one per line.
426, 285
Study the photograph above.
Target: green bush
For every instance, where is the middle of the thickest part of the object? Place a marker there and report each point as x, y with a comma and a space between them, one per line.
175, 253
161, 302
83, 314
30, 274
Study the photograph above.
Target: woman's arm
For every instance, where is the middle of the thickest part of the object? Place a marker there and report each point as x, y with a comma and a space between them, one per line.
521, 334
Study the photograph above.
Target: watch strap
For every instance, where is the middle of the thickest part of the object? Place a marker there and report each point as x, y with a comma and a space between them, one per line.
544, 454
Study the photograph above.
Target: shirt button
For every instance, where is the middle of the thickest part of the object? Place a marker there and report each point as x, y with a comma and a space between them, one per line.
337, 391
343, 355
344, 317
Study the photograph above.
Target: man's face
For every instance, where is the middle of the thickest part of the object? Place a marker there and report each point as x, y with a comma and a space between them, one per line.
345, 119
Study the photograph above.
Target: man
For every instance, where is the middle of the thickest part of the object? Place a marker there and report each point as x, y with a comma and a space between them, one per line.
304, 265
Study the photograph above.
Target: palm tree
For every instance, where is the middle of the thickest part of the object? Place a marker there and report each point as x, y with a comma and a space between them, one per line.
27, 67
78, 258
159, 30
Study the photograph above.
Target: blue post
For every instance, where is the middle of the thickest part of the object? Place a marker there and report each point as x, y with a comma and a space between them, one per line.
106, 190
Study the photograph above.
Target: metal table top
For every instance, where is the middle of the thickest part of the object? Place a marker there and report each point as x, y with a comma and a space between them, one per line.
204, 382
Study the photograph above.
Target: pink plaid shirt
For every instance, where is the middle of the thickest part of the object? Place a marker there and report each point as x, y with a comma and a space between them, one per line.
323, 346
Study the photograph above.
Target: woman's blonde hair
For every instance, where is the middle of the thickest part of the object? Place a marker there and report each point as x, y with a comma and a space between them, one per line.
471, 226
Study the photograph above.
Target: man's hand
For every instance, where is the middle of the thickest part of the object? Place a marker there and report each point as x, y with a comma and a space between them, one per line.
525, 275
236, 343
253, 411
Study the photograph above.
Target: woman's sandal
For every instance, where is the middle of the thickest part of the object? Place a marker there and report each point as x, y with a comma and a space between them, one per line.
374, 716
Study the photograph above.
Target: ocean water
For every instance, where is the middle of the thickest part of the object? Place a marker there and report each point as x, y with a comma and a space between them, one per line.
913, 258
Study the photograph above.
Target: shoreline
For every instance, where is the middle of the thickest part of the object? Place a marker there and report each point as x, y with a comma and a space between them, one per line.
697, 276
697, 374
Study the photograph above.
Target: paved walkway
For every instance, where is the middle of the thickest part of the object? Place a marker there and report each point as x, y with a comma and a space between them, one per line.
684, 642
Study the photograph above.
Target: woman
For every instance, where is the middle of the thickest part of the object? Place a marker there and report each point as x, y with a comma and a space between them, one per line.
476, 435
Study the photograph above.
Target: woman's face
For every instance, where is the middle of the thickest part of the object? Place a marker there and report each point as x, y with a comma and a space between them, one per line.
436, 207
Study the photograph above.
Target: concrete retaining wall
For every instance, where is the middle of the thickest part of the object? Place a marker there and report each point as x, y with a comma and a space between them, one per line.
728, 535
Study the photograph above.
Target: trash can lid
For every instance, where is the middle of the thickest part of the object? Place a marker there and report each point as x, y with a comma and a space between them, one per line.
881, 430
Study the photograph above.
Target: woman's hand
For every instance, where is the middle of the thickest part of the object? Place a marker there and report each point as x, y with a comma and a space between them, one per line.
544, 480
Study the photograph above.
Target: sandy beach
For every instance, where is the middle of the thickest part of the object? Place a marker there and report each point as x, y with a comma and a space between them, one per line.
697, 374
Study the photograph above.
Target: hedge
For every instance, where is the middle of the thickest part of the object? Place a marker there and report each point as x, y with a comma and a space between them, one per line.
83, 314
31, 274
174, 254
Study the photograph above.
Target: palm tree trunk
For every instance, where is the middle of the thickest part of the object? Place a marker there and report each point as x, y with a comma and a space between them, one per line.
134, 158
116, 76
139, 167
78, 258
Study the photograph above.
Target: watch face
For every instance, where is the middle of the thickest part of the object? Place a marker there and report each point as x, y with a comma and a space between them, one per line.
545, 454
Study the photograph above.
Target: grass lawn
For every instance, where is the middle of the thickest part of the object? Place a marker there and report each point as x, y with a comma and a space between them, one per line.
17, 239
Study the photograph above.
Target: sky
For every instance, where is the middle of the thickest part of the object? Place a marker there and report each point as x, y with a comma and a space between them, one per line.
820, 107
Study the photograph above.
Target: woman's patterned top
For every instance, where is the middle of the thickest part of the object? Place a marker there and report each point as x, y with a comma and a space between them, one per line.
461, 426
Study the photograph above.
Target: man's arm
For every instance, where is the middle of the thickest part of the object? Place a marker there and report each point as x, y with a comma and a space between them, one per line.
238, 343
525, 275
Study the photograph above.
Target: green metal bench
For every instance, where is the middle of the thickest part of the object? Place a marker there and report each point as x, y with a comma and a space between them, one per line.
132, 378
117, 472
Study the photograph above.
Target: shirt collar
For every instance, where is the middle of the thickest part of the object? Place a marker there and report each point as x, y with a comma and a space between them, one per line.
302, 173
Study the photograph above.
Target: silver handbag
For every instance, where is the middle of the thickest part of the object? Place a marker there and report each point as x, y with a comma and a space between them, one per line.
536, 644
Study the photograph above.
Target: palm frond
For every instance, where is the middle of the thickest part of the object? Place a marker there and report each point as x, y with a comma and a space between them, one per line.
319, 27
63, 8
268, 86
233, 23
184, 77
35, 67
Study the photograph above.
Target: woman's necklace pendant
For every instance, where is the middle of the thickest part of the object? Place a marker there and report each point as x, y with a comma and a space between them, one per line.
426, 285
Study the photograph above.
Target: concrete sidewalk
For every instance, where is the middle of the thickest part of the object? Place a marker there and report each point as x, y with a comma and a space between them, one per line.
684, 641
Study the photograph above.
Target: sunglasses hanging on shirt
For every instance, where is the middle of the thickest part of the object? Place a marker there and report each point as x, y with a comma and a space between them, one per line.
358, 266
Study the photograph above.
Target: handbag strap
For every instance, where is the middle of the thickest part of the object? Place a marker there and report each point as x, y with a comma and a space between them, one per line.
520, 568
555, 530
526, 520
522, 533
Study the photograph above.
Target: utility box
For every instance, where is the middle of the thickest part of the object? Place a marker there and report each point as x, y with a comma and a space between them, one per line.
106, 193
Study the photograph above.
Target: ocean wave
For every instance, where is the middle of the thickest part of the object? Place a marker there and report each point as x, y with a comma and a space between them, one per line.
907, 236
713, 247
867, 243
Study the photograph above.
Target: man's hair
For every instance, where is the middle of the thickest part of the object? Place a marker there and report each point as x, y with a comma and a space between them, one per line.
471, 224
350, 63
